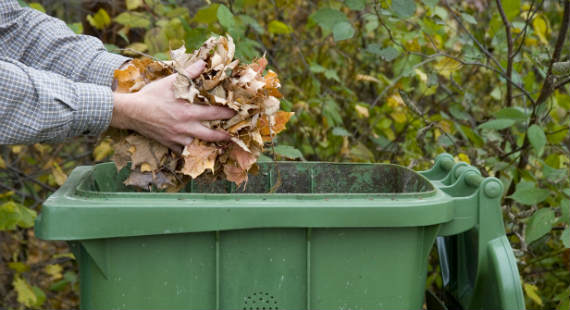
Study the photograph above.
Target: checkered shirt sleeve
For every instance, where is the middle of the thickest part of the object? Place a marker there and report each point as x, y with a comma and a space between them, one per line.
42, 106
54, 83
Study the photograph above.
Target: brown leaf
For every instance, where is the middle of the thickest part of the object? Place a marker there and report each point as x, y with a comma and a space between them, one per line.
259, 64
271, 105
140, 179
121, 156
239, 126
197, 158
145, 180
224, 82
281, 118
146, 151
244, 158
241, 143
235, 174
127, 78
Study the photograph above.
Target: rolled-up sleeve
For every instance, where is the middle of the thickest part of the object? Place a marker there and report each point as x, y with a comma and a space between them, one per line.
46, 43
40, 106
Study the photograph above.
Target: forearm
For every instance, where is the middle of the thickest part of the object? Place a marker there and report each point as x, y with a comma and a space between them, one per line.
46, 43
38, 106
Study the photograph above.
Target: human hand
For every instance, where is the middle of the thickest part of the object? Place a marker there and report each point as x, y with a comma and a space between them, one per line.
154, 112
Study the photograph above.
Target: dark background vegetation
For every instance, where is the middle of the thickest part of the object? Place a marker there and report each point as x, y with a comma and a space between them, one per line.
369, 81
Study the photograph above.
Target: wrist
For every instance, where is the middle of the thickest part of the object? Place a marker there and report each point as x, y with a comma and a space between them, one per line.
120, 117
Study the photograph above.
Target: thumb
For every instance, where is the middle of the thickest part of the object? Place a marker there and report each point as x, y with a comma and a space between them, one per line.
195, 69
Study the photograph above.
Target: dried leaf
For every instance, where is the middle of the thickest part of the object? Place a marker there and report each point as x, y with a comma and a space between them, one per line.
121, 156
244, 158
146, 151
235, 174
198, 158
146, 180
281, 118
58, 174
223, 82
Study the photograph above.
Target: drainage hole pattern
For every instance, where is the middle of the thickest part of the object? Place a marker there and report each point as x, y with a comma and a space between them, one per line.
260, 301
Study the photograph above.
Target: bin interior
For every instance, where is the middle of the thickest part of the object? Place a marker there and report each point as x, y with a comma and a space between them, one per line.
290, 177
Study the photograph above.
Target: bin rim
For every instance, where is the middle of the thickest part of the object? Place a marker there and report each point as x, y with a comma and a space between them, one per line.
70, 215
83, 190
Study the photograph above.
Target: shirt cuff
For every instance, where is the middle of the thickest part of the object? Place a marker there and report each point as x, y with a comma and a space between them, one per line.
93, 109
103, 66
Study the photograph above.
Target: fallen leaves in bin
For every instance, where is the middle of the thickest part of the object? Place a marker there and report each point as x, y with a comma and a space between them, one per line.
224, 82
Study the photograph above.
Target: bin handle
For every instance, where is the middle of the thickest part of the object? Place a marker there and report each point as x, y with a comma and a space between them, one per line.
472, 179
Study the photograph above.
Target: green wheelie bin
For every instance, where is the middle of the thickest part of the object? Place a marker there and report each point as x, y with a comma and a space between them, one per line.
331, 236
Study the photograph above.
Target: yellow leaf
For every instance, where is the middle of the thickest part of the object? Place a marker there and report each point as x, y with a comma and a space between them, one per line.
389, 133
42, 148
6, 194
133, 4
362, 111
16, 149
395, 100
37, 6
541, 29
2, 163
25, 293
421, 75
445, 125
430, 90
18, 267
54, 271
100, 20
532, 292
413, 45
446, 66
69, 255
146, 168
102, 150
137, 46
463, 157
366, 78
58, 174
530, 42
399, 117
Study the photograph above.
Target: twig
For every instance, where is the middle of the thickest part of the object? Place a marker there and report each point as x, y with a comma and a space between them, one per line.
562, 83
547, 86
388, 30
479, 44
395, 81
528, 19
509, 96
502, 74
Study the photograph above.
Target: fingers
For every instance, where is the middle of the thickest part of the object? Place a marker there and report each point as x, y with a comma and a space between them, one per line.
195, 69
209, 112
176, 148
199, 131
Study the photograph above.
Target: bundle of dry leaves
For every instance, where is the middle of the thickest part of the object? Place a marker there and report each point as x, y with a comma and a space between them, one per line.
224, 82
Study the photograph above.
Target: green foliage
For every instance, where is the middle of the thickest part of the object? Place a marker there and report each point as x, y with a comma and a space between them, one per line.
527, 193
100, 19
384, 81
539, 224
288, 152
13, 215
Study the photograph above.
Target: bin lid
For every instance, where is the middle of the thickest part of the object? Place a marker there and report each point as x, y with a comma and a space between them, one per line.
94, 202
